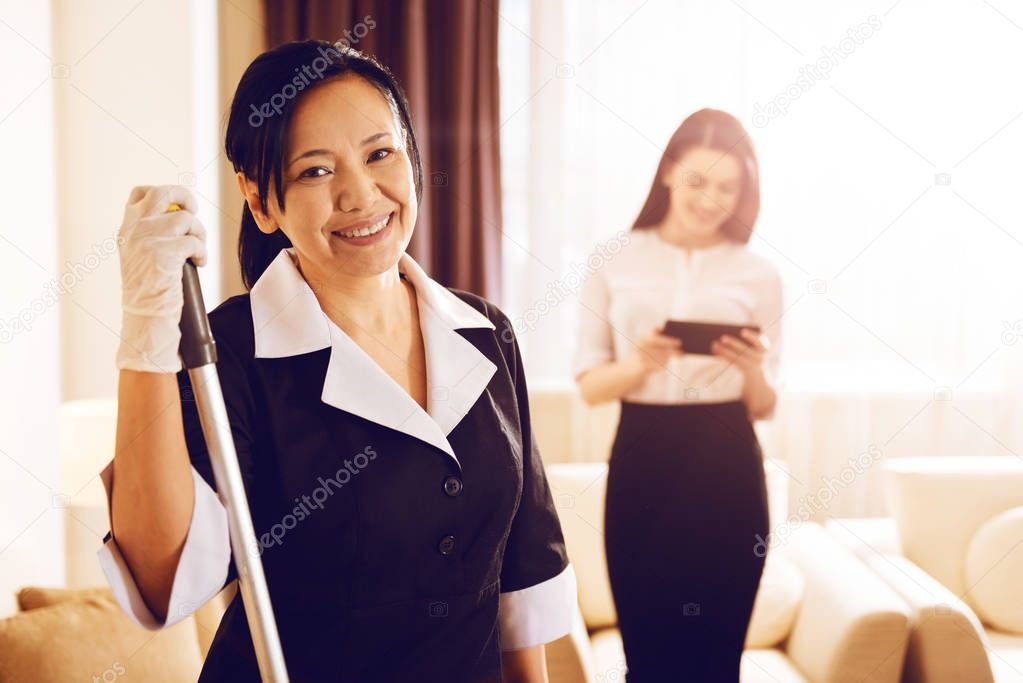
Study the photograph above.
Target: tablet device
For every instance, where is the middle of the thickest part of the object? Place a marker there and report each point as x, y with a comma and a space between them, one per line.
696, 336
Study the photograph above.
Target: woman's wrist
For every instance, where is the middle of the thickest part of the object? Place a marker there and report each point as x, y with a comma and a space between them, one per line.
636, 366
757, 392
754, 375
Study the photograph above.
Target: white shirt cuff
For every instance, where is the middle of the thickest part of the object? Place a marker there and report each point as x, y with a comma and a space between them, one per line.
538, 614
202, 568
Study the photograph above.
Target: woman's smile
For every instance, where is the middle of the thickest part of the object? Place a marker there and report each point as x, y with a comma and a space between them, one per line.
704, 215
365, 233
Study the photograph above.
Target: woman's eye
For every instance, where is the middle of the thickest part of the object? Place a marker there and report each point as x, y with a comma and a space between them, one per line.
308, 172
380, 154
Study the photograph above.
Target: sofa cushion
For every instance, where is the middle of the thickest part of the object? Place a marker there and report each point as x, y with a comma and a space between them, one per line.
207, 618
90, 638
939, 502
34, 597
994, 567
776, 604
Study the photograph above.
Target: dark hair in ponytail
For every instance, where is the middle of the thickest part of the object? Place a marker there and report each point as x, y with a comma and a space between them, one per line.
257, 128
256, 249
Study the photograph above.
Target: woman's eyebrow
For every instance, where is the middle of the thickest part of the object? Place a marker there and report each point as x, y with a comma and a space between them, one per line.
327, 152
375, 137
310, 153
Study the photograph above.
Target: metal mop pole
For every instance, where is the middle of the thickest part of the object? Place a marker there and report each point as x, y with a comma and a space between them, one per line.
199, 355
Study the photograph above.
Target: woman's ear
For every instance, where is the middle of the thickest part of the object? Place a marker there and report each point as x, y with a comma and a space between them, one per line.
250, 192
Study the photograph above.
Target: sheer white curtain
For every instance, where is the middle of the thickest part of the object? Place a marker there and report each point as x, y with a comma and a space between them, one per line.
889, 138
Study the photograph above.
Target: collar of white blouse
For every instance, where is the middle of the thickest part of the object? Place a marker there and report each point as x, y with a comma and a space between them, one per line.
287, 320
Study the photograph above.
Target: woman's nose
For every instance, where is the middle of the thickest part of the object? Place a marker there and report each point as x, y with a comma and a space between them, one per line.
356, 190
708, 203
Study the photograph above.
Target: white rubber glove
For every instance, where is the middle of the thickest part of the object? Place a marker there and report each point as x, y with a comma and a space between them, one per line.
153, 247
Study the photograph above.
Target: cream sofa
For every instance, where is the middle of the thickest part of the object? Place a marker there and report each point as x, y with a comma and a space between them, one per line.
953, 549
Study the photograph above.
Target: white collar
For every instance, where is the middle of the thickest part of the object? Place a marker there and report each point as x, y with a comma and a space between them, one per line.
287, 320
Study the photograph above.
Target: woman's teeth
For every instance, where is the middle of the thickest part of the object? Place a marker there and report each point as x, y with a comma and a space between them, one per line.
363, 232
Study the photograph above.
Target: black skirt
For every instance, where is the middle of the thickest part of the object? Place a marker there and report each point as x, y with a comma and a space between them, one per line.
686, 499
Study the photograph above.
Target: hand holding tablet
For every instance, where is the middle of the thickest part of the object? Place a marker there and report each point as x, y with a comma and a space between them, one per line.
696, 337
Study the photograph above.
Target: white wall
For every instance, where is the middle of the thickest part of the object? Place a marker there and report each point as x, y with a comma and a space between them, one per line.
31, 528
137, 108
96, 96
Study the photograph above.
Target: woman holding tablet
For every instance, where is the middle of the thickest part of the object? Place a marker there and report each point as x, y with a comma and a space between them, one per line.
686, 495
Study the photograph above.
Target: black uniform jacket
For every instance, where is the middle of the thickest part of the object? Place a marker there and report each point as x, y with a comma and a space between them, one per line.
398, 544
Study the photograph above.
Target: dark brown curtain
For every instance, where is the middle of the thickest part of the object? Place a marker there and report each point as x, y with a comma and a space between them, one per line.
444, 53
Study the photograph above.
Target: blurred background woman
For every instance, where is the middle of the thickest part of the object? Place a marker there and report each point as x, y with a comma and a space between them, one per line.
686, 495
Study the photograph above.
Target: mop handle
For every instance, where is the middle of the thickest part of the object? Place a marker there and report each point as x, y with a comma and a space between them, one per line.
199, 355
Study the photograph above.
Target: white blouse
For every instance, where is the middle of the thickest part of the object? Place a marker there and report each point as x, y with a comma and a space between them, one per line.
639, 280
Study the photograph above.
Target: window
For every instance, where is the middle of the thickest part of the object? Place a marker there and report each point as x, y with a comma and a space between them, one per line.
887, 134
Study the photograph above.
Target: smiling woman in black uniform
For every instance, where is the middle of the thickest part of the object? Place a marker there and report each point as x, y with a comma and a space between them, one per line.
381, 420
686, 495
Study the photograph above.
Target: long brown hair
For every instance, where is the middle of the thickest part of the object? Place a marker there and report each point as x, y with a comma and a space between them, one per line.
720, 131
